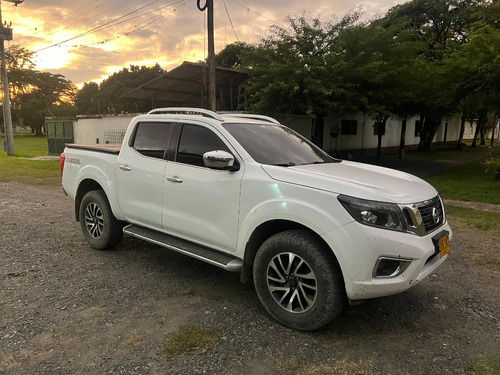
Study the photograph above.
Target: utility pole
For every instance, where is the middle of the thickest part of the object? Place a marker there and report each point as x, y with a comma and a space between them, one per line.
209, 5
6, 34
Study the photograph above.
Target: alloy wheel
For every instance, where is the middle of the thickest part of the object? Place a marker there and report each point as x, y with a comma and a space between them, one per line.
292, 282
94, 220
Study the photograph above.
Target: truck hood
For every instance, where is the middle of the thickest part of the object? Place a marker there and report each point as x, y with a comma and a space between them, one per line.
357, 180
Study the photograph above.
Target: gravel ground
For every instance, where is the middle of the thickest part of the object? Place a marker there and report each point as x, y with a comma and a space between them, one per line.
68, 309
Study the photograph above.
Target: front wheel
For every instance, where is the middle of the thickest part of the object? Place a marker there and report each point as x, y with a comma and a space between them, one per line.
99, 226
298, 281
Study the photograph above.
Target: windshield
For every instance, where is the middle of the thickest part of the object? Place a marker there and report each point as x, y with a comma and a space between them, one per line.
276, 145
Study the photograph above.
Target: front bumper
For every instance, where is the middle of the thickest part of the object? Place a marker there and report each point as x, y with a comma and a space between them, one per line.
358, 248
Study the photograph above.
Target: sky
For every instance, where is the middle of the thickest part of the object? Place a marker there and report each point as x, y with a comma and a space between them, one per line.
90, 39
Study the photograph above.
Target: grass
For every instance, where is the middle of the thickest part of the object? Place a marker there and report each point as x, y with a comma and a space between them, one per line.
489, 366
487, 221
190, 340
28, 145
42, 173
449, 153
467, 182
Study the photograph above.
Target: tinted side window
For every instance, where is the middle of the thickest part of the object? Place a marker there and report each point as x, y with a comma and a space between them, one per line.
194, 142
151, 138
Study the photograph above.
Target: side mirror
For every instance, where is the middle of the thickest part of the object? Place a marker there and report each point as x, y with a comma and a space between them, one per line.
219, 160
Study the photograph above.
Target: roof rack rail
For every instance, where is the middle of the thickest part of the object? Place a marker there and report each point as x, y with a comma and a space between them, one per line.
186, 111
253, 116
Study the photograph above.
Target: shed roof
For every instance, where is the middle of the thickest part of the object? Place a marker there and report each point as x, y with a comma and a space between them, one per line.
183, 86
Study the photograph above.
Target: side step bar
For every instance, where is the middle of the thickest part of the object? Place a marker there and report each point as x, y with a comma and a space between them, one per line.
227, 262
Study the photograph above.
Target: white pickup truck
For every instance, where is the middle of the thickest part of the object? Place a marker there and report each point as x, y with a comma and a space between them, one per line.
250, 195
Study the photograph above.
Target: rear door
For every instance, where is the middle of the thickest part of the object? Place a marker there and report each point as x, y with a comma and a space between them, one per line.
139, 173
199, 203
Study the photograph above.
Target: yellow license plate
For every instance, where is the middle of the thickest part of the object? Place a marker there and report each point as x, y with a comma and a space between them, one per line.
444, 245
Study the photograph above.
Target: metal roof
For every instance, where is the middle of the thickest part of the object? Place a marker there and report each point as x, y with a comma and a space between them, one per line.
183, 86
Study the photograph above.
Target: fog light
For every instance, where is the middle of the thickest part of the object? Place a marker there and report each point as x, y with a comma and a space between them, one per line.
390, 267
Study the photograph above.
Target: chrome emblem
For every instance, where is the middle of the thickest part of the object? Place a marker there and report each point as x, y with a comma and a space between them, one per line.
435, 215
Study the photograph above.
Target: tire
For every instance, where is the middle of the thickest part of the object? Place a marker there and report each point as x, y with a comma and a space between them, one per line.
99, 226
298, 280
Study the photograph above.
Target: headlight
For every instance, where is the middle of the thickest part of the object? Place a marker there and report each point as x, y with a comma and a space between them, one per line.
373, 213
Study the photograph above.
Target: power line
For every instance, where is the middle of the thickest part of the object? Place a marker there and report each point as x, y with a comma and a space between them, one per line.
65, 27
135, 29
230, 21
91, 17
64, 15
259, 14
105, 25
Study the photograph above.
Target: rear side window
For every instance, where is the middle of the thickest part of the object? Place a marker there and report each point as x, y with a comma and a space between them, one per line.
194, 142
151, 139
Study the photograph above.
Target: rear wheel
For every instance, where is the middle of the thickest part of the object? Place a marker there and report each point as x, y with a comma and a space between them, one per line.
99, 226
298, 281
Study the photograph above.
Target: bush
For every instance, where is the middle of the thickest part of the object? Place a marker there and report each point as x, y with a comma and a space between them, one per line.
492, 165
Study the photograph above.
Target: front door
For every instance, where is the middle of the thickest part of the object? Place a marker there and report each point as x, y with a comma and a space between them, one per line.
201, 203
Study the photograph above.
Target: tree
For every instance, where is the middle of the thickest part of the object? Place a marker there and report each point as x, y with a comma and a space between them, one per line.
19, 58
35, 94
442, 29
379, 60
232, 55
87, 99
96, 99
31, 110
46, 90
474, 67
294, 70
119, 83
21, 66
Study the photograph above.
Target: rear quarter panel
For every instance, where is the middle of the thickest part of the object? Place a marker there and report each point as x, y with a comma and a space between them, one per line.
81, 165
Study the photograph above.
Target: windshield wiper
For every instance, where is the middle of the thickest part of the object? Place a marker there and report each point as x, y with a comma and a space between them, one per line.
314, 162
324, 162
283, 164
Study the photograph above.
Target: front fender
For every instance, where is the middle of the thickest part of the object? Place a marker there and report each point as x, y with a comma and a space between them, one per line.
320, 212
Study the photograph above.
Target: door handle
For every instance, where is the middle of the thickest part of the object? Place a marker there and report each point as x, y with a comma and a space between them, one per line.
174, 179
125, 167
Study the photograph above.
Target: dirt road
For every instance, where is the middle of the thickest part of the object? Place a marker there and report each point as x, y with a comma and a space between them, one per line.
68, 309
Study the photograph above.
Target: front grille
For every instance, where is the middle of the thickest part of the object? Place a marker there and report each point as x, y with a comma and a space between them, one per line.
432, 214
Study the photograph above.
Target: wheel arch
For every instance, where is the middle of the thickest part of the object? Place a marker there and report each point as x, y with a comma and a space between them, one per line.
83, 188
268, 229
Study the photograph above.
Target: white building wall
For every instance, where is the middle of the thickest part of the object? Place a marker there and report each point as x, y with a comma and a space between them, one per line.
301, 124
453, 132
470, 129
365, 137
94, 130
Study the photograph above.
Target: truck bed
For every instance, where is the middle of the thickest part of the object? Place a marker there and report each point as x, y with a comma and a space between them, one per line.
105, 148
